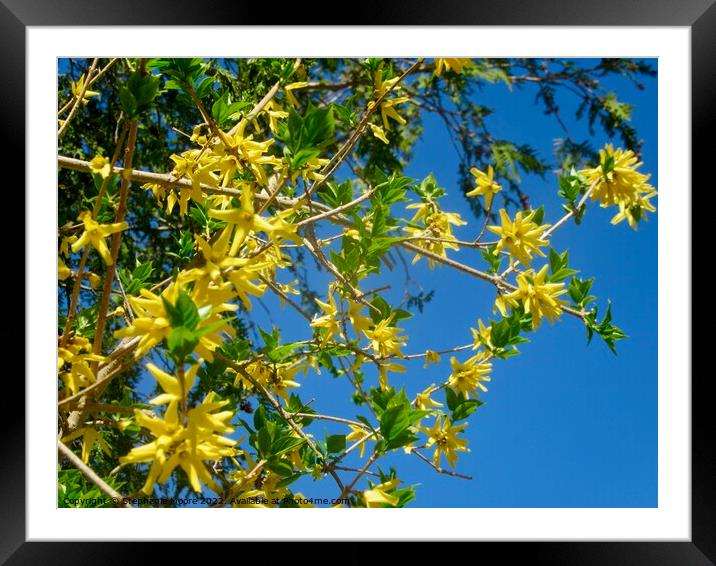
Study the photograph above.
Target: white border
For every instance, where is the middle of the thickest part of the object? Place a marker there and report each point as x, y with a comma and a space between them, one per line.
670, 521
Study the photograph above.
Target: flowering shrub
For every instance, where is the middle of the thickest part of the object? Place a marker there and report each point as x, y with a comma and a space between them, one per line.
182, 255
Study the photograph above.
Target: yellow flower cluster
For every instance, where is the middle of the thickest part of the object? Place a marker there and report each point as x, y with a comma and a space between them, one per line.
538, 297
73, 363
94, 234
152, 320
522, 236
456, 64
381, 87
276, 377
184, 441
618, 183
434, 232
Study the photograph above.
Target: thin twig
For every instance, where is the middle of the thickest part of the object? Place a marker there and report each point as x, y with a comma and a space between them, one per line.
347, 490
438, 468
94, 79
343, 152
330, 418
79, 100
276, 405
338, 210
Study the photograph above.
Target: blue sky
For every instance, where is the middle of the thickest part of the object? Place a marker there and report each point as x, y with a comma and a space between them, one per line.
564, 424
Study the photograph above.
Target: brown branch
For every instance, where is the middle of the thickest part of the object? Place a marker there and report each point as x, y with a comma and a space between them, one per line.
117, 498
116, 237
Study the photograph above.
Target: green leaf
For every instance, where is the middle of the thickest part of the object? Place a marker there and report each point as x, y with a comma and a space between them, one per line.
396, 420
264, 440
559, 266
452, 399
129, 103
336, 443
183, 313
283, 469
181, 342
285, 443
578, 291
465, 409
493, 259
383, 309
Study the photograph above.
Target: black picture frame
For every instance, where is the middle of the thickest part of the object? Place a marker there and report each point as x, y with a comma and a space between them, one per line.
699, 15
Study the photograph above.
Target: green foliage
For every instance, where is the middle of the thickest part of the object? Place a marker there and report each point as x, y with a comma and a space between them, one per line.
397, 417
605, 329
137, 279
559, 266
460, 407
578, 291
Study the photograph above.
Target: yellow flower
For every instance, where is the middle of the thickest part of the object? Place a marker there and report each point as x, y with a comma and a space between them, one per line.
185, 446
289, 88
431, 358
101, 166
451, 64
76, 88
467, 376
186, 165
65, 245
437, 232
539, 298
522, 237
249, 151
486, 186
90, 436
241, 272
481, 336
63, 272
95, 233
77, 354
423, 400
186, 441
378, 132
635, 211
387, 110
444, 437
276, 377
385, 339
378, 496
174, 390
245, 221
383, 370
359, 433
94, 279
309, 171
329, 321
274, 113
360, 323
